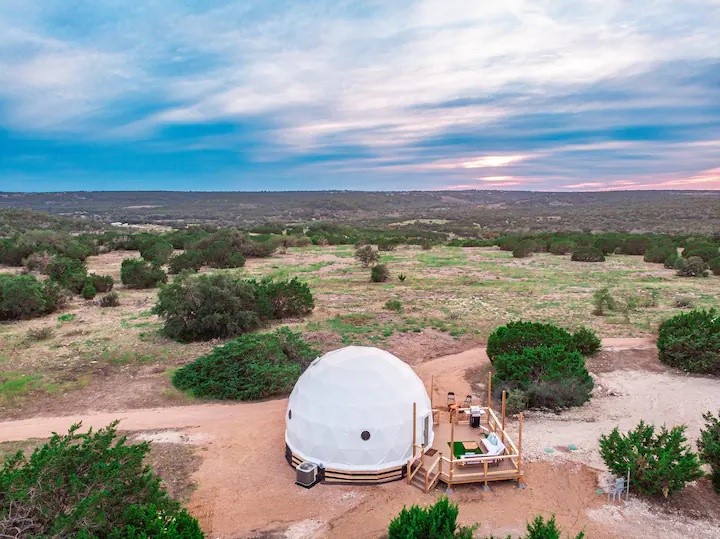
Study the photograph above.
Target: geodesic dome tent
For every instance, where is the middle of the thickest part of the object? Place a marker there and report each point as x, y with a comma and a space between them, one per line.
351, 413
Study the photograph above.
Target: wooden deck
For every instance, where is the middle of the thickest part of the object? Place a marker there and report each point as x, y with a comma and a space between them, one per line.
426, 470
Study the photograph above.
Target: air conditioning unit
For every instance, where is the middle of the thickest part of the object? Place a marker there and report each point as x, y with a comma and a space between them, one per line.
307, 474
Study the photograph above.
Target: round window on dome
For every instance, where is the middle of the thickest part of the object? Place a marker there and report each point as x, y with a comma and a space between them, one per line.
365, 435
289, 414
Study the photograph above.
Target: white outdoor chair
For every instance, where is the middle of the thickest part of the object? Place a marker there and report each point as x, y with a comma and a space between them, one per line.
617, 489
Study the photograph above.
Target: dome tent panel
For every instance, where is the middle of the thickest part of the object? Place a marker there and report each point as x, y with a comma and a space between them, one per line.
351, 392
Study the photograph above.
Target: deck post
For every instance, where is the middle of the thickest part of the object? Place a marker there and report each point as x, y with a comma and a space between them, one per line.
519, 462
485, 470
489, 390
452, 447
504, 401
412, 445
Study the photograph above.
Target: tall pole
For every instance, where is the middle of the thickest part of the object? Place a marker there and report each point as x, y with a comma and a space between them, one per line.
452, 445
520, 427
489, 390
504, 401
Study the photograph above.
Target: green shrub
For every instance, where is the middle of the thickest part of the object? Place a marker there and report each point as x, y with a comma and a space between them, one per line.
386, 245
705, 250
691, 342
18, 248
602, 300
158, 251
635, 245
515, 336
286, 298
587, 254
102, 283
586, 342
88, 485
379, 273
671, 260
714, 265
250, 367
88, 291
110, 300
13, 253
561, 247
508, 243
38, 262
68, 273
153, 522
553, 376
56, 297
659, 253
219, 306
517, 401
209, 306
228, 249
24, 296
691, 267
558, 394
523, 249
189, 260
659, 462
607, 243
438, 521
366, 255
542, 529
402, 277
393, 305
136, 273
709, 447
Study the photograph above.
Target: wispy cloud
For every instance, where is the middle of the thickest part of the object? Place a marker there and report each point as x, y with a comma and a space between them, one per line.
427, 93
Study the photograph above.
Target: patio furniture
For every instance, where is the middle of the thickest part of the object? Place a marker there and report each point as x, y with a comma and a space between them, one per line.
494, 447
459, 449
617, 490
470, 446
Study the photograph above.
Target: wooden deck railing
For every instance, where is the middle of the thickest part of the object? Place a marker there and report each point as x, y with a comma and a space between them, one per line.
431, 482
419, 456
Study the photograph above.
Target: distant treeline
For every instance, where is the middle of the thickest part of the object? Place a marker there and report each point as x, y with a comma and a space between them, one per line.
458, 212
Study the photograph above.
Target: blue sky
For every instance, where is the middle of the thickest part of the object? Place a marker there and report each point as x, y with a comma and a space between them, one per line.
373, 95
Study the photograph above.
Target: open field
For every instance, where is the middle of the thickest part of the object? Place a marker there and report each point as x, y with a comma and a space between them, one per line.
452, 298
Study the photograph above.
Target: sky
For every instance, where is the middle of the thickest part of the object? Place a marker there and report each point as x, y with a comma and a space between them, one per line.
551, 95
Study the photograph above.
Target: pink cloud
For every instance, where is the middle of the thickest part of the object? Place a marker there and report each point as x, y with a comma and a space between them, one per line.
491, 161
496, 179
704, 180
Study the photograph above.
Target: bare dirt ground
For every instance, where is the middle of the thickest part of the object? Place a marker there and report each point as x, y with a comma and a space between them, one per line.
245, 488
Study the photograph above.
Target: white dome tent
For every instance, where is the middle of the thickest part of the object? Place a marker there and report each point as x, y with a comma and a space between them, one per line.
351, 413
